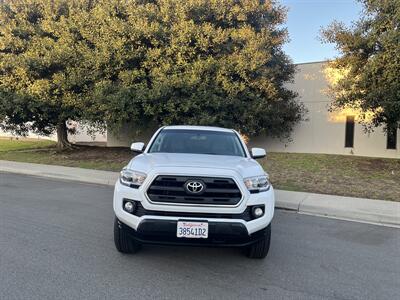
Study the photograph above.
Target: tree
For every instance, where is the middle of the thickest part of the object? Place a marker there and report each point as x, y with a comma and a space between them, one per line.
370, 64
204, 62
47, 66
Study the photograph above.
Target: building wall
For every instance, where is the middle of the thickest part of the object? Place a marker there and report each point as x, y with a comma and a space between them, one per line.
5, 134
81, 135
323, 132
129, 134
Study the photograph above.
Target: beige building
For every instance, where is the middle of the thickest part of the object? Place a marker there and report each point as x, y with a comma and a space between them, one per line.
81, 137
323, 132
329, 132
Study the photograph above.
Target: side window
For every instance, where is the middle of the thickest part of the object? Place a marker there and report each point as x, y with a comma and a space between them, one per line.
391, 137
349, 134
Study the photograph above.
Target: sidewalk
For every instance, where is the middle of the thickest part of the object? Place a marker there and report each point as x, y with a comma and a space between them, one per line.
59, 172
347, 208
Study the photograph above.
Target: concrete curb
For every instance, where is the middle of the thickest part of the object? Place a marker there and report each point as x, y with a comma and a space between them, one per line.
379, 212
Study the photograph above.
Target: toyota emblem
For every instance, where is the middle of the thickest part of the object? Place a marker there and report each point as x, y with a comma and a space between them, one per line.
194, 186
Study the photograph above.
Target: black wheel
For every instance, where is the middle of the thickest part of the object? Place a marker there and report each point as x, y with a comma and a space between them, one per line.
123, 242
260, 249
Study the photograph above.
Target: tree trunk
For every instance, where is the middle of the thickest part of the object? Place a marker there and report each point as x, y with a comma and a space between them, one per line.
62, 136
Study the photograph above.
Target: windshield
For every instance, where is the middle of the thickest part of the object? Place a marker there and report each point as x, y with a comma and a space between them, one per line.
197, 142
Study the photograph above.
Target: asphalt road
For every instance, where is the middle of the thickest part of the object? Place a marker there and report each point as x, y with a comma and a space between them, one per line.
56, 242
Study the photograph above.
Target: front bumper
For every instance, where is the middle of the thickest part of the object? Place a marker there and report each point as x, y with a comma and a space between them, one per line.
173, 213
227, 234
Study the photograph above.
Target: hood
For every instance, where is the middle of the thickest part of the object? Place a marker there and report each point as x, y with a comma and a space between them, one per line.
148, 162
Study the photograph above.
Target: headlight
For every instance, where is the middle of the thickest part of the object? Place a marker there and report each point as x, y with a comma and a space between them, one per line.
257, 183
131, 178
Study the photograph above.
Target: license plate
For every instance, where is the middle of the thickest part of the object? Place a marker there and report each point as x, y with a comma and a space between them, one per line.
196, 230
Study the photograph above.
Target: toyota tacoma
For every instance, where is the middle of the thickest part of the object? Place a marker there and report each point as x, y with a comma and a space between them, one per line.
194, 185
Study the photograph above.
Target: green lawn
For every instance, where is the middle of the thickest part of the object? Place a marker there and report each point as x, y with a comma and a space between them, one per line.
7, 144
328, 174
44, 152
344, 175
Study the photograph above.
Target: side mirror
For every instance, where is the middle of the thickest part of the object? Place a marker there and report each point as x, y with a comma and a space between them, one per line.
137, 147
258, 153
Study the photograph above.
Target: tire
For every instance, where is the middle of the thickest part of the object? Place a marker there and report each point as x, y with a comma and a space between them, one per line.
123, 242
260, 249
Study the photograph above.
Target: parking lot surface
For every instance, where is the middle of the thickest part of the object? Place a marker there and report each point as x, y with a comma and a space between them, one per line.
56, 242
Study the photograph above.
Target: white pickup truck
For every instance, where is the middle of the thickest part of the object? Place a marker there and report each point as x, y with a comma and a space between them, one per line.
194, 185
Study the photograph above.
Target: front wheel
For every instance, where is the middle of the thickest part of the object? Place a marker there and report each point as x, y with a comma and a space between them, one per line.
260, 248
123, 242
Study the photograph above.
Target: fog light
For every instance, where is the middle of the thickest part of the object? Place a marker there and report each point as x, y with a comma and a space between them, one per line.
129, 207
257, 212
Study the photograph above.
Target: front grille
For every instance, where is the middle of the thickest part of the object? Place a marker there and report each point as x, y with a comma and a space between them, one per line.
171, 189
141, 211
